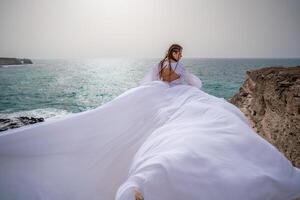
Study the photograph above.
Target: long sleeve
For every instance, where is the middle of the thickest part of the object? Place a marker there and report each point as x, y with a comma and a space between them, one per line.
191, 79
152, 75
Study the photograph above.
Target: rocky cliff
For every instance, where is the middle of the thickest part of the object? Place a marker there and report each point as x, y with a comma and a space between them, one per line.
270, 98
17, 122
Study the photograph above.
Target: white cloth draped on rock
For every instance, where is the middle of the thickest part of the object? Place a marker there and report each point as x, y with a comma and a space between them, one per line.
170, 142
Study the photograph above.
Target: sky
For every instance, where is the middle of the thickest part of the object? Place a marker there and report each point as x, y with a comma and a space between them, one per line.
47, 29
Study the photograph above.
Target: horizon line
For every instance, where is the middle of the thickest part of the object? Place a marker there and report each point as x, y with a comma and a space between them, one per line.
129, 57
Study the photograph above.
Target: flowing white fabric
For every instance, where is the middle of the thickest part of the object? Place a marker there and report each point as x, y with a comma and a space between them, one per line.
170, 142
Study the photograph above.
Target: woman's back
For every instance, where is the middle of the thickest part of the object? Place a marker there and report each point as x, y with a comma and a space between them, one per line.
170, 72
178, 75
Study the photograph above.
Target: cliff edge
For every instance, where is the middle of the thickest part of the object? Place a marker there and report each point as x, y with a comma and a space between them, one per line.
270, 98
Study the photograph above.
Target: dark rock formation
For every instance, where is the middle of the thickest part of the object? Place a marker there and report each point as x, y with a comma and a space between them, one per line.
14, 61
6, 124
270, 98
10, 61
26, 61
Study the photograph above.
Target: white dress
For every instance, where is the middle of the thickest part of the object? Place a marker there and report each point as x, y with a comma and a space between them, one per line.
170, 142
179, 69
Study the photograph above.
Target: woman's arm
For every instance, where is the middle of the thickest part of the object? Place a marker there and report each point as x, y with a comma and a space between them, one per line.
191, 79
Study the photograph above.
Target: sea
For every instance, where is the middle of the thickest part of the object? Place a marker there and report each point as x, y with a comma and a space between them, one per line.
58, 87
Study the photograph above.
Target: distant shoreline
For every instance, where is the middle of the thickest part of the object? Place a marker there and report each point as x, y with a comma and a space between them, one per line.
15, 61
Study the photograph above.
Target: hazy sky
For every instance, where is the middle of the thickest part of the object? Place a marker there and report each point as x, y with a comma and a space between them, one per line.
146, 28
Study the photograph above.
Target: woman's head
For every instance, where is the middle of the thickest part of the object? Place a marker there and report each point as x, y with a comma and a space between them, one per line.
174, 52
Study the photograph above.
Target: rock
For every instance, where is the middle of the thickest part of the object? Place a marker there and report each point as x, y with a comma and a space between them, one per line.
10, 61
270, 98
26, 61
14, 61
17, 122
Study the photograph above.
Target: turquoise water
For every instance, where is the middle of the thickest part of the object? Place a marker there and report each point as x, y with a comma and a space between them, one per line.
51, 88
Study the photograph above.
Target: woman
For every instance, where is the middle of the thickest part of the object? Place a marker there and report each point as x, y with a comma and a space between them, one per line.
160, 140
171, 71
206, 150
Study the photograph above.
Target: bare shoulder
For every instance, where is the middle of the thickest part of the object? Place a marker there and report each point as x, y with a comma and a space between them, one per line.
164, 64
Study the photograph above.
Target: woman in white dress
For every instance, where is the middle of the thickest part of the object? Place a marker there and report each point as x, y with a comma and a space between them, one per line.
206, 150
174, 73
162, 140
